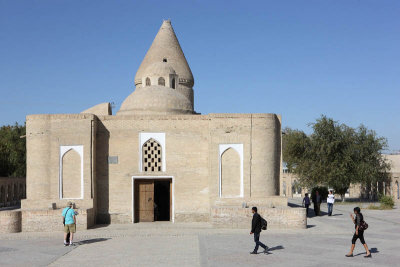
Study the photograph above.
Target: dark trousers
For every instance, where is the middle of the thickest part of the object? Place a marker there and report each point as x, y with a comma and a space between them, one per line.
307, 207
258, 243
316, 208
360, 236
330, 209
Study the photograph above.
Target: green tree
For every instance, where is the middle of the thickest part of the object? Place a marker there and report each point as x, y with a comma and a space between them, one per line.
335, 155
13, 151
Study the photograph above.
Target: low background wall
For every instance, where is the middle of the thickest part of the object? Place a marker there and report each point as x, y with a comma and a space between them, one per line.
270, 202
278, 218
42, 204
10, 221
51, 220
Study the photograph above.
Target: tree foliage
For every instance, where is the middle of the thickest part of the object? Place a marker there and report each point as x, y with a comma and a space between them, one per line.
335, 155
12, 151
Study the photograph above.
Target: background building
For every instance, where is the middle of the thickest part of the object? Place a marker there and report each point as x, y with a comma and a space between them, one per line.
290, 186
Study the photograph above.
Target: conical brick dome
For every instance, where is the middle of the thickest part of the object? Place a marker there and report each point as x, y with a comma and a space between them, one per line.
164, 80
166, 48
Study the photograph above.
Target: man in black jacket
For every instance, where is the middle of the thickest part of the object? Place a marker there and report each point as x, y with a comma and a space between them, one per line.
317, 199
256, 230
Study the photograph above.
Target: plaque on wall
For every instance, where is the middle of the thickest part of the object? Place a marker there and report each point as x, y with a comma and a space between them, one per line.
113, 160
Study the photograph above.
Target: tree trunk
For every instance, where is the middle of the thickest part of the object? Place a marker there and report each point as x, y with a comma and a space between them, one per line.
342, 196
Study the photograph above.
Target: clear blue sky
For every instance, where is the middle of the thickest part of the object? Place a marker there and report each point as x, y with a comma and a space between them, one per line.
300, 59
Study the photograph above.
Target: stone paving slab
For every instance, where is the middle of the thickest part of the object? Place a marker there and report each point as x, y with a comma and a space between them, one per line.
325, 242
180, 250
34, 252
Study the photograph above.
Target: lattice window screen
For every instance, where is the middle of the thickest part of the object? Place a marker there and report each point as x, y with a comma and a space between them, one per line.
152, 157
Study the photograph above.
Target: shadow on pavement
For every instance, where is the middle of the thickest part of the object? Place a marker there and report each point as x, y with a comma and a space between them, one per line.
97, 226
372, 250
310, 226
276, 248
293, 205
268, 252
90, 241
311, 213
337, 214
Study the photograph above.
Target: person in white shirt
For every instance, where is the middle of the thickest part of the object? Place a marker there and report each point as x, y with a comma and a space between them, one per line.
330, 200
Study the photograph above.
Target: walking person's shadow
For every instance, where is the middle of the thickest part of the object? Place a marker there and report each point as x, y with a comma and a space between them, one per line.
274, 248
372, 250
90, 241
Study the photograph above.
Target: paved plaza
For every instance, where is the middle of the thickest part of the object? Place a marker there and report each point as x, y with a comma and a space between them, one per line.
326, 241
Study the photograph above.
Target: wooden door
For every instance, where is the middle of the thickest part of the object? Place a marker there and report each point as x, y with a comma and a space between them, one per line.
146, 201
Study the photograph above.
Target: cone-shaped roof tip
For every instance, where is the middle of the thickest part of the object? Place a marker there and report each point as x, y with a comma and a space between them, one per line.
166, 46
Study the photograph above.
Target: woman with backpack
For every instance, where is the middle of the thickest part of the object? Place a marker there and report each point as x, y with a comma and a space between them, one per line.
360, 226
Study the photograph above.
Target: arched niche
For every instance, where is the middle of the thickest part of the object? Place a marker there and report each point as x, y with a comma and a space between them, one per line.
161, 81
230, 173
232, 164
71, 172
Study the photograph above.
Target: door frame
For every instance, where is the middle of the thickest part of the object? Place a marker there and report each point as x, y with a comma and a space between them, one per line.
172, 193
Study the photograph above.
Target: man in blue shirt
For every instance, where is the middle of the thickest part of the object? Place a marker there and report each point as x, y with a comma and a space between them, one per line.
69, 223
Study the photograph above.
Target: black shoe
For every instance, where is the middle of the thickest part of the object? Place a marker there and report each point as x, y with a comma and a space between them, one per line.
265, 250
351, 255
368, 256
253, 252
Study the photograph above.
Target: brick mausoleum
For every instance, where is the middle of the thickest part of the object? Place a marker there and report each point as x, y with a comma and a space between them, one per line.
156, 159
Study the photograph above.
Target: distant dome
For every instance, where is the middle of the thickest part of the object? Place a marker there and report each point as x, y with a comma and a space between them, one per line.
155, 99
159, 69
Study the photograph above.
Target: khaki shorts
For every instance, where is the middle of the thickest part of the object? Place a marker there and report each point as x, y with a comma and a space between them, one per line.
69, 228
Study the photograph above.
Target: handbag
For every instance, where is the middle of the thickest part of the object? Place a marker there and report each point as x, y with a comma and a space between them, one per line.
363, 226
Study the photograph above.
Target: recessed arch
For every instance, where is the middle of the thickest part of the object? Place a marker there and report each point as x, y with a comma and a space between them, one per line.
173, 83
239, 149
71, 174
230, 173
71, 157
161, 81
148, 82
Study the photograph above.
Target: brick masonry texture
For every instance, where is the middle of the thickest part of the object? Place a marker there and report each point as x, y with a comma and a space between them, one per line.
192, 143
191, 152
